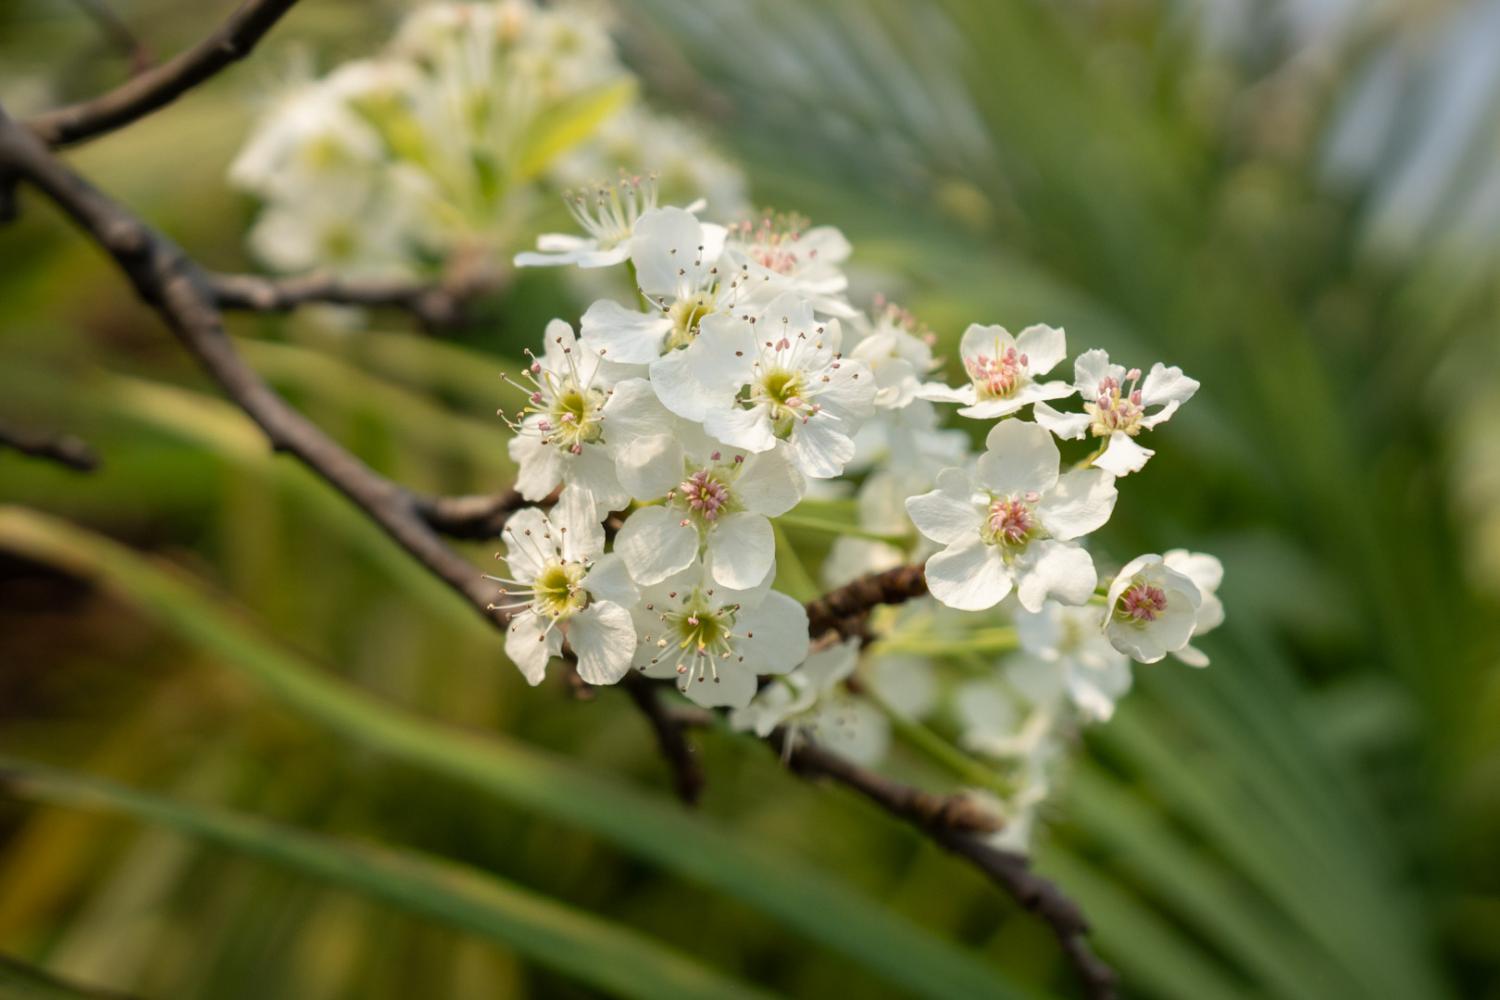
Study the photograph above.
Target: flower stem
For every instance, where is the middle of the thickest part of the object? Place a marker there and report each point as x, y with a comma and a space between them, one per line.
831, 527
1000, 639
937, 749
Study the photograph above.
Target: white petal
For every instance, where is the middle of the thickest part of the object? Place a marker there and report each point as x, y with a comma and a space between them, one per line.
948, 514
593, 472
1055, 569
1126, 577
769, 483
969, 577
530, 646
1020, 457
1068, 426
849, 391
529, 543
655, 544
937, 392
827, 667
774, 635
1122, 456
1192, 656
733, 687
1080, 503
991, 409
1044, 346
666, 243
624, 335
539, 467
749, 429
633, 411
603, 637
1167, 387
609, 580
742, 550
985, 341
648, 467
580, 533
820, 447
708, 372
1092, 367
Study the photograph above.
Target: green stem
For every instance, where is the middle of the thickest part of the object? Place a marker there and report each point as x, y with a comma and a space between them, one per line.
1000, 639
829, 527
936, 749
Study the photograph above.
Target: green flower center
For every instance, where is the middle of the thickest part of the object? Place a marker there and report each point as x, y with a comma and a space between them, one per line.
557, 591
685, 315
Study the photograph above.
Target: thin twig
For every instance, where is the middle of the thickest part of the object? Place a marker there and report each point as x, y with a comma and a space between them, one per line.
671, 737
64, 449
184, 295
473, 517
436, 305
117, 33
162, 84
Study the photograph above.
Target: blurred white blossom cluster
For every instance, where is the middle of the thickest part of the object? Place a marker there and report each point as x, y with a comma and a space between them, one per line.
739, 401
440, 151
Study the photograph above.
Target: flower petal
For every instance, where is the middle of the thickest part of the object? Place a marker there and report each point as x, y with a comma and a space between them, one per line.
1056, 569
1020, 457
1068, 426
623, 335
769, 483
1122, 456
650, 466
819, 447
970, 577
655, 544
948, 514
742, 550
530, 645
774, 635
1044, 346
603, 637
1080, 503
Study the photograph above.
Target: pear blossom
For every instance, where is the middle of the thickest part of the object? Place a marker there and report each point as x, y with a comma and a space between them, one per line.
608, 213
811, 701
1003, 371
781, 250
563, 586
677, 269
574, 410
897, 349
703, 495
1069, 642
1117, 406
777, 383
1152, 609
1207, 573
714, 641
1012, 524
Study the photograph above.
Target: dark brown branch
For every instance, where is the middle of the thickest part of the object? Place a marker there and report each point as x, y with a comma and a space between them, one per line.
64, 449
437, 305
846, 609
473, 517
671, 736
185, 297
958, 824
162, 84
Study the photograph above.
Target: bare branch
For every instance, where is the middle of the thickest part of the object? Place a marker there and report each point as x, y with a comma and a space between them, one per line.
474, 517
846, 609
437, 305
64, 449
159, 86
671, 736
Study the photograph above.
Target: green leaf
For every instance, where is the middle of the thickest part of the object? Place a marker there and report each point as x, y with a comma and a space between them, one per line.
798, 895
577, 944
569, 123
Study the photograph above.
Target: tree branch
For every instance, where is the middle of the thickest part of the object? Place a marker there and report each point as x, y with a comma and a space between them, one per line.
64, 449
185, 297
159, 86
435, 305
671, 736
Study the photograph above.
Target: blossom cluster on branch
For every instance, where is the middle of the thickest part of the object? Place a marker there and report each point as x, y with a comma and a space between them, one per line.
444, 147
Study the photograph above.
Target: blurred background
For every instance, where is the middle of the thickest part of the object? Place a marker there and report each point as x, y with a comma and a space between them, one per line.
1297, 201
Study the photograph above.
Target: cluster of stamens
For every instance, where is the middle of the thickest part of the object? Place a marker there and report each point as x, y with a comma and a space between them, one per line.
997, 377
1011, 520
891, 314
695, 636
572, 410
1116, 407
1141, 603
704, 493
608, 212
555, 593
772, 242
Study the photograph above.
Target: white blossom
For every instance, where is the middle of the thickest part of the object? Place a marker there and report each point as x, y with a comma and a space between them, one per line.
781, 251
714, 641
1003, 371
1012, 523
812, 701
608, 213
1069, 642
1152, 609
1207, 573
563, 586
1117, 407
701, 495
573, 413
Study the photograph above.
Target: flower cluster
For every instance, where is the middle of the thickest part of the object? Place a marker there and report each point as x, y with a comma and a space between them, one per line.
741, 401
431, 153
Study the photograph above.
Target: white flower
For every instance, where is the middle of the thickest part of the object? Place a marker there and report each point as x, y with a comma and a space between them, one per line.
561, 586
608, 213
780, 251
1070, 642
716, 641
703, 495
1152, 609
813, 701
676, 260
573, 409
800, 391
1012, 524
1115, 409
1003, 370
897, 350
1207, 573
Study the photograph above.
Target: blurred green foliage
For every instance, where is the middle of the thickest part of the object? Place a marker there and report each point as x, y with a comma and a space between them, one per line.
1316, 815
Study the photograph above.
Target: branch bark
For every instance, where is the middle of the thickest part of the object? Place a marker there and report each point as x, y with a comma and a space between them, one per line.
64, 449
435, 305
160, 85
